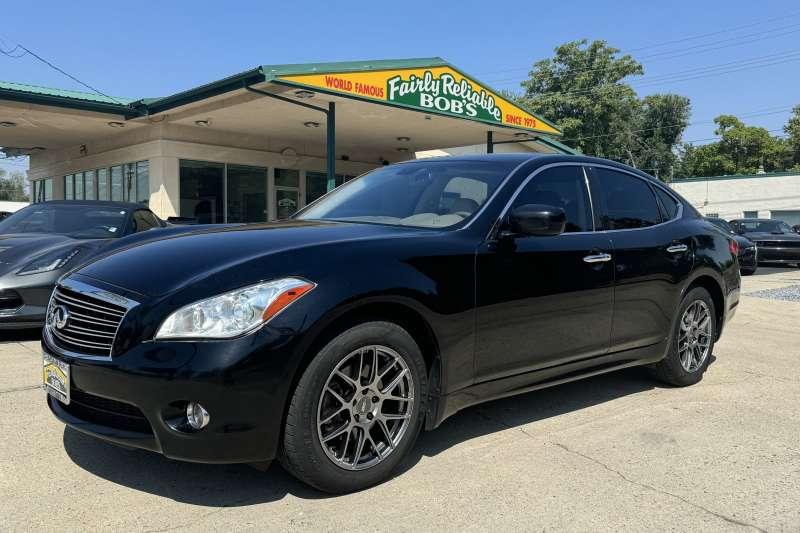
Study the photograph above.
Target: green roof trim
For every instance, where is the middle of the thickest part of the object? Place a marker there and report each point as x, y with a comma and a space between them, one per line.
35, 94
276, 71
130, 108
557, 145
736, 177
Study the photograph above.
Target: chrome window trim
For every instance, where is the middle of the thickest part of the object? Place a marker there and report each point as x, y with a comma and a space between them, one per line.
584, 166
94, 292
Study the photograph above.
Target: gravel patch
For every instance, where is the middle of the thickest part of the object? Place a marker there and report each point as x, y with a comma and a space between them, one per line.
790, 293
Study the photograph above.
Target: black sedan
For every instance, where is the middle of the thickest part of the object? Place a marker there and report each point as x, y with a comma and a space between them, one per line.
748, 251
777, 242
330, 340
41, 242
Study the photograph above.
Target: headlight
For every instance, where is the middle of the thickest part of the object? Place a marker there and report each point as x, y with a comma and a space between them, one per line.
48, 262
233, 313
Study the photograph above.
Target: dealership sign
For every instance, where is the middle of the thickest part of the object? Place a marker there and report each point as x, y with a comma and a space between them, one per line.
441, 90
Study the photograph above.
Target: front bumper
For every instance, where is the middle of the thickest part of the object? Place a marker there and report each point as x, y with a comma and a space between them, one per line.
748, 258
23, 306
135, 399
778, 254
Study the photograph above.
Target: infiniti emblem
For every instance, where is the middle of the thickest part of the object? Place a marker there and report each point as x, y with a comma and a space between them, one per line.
59, 315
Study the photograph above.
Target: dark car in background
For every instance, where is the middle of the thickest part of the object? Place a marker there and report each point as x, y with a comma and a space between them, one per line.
41, 242
748, 250
777, 242
405, 295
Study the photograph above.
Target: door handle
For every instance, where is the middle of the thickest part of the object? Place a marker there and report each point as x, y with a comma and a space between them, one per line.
597, 258
677, 248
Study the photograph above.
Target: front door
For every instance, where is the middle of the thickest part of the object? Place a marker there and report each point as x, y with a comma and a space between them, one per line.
542, 301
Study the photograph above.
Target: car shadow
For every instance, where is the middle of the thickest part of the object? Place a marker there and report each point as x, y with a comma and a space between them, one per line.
242, 485
20, 335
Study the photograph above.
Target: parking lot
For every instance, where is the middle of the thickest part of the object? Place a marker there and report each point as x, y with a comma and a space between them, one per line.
613, 452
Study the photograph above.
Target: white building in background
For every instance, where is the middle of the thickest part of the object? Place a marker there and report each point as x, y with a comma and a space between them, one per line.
774, 195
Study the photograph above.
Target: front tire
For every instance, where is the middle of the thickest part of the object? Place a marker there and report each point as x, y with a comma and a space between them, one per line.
748, 271
357, 409
691, 342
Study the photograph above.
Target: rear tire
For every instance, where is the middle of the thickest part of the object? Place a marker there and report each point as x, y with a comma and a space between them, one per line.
691, 341
357, 409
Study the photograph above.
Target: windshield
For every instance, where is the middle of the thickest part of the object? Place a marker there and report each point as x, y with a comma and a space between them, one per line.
764, 226
431, 194
77, 221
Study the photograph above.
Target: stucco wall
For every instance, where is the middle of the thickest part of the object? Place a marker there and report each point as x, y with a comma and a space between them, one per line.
731, 197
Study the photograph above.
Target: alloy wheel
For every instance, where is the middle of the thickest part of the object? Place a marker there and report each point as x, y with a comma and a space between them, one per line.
365, 407
694, 336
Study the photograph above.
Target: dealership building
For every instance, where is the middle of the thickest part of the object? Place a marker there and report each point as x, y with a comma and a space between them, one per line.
766, 195
261, 144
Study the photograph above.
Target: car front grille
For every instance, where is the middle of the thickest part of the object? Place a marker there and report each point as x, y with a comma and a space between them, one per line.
91, 323
779, 244
10, 299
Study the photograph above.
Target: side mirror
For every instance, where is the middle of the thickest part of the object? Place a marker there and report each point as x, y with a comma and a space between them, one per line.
537, 220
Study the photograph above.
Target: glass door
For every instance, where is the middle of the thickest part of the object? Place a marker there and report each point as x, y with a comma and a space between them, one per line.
202, 191
287, 192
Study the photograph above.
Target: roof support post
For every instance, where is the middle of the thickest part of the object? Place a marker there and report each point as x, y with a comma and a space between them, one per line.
331, 146
489, 143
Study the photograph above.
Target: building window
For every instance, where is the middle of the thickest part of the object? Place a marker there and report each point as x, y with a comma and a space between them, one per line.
102, 184
287, 192
116, 184
712, 215
142, 182
246, 194
750, 214
202, 191
69, 190
89, 185
121, 183
317, 184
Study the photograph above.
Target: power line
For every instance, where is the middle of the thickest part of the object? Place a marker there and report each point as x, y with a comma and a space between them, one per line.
13, 53
740, 115
693, 73
680, 52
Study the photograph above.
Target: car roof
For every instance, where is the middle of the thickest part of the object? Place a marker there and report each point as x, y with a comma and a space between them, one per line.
543, 159
97, 203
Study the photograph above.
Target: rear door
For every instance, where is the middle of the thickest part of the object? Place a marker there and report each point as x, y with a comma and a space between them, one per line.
652, 250
544, 300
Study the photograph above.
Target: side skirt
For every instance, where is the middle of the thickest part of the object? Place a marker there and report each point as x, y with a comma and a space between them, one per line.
452, 403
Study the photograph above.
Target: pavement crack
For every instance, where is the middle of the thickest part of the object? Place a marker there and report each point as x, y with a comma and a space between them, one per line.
657, 490
18, 389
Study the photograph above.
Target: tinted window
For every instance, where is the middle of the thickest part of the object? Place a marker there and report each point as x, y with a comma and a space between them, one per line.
421, 193
668, 203
763, 226
721, 224
563, 187
622, 201
145, 220
79, 221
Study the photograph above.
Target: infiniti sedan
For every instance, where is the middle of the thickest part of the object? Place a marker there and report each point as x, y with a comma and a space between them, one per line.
329, 341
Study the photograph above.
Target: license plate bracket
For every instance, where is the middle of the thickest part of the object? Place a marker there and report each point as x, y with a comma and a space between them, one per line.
56, 378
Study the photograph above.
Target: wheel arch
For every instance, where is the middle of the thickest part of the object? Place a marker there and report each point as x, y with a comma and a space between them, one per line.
713, 285
402, 311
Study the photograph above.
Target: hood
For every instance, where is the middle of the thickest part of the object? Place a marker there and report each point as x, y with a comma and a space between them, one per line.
17, 250
163, 266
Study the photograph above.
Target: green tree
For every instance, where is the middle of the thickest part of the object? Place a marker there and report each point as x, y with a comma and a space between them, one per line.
742, 149
12, 187
792, 129
583, 89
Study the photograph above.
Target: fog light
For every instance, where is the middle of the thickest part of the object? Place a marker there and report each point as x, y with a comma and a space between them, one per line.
197, 416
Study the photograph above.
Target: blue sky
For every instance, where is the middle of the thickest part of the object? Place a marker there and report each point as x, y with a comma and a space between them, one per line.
142, 49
